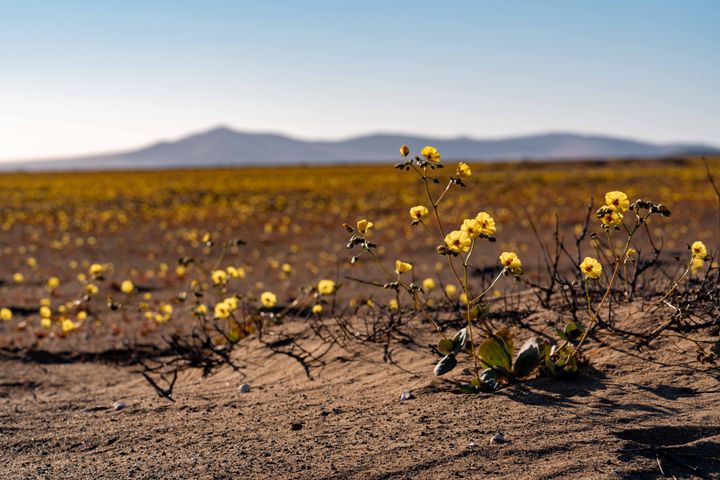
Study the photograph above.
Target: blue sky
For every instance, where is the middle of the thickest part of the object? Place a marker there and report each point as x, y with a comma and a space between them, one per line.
93, 76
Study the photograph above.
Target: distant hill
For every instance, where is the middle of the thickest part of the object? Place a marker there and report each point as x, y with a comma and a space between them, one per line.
224, 147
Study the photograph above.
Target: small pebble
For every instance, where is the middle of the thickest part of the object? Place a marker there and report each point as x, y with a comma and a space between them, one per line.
472, 444
295, 426
497, 438
406, 396
117, 406
244, 388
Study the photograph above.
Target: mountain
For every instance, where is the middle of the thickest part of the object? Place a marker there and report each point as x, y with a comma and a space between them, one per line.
224, 147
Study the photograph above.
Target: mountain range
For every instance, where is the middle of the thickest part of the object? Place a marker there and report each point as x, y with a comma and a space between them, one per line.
225, 147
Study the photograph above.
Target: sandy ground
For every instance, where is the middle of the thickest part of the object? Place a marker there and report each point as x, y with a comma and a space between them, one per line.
628, 415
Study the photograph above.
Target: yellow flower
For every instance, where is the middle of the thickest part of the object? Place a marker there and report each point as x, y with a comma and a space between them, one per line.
393, 304
428, 284
487, 223
402, 267
45, 302
219, 277
5, 314
404, 150
698, 250
81, 316
286, 268
696, 264
18, 277
419, 212
450, 290
431, 154
127, 286
222, 310
201, 309
68, 325
45, 312
45, 323
613, 217
53, 283
618, 201
463, 170
326, 287
91, 289
630, 255
471, 227
166, 308
232, 271
231, 302
317, 309
268, 299
510, 260
457, 241
180, 270
96, 269
364, 226
591, 268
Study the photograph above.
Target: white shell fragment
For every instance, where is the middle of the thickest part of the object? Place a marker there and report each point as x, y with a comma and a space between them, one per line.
406, 396
117, 406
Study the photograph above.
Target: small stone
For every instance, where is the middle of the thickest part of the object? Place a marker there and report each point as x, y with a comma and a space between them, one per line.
296, 426
117, 406
244, 388
406, 396
472, 444
497, 438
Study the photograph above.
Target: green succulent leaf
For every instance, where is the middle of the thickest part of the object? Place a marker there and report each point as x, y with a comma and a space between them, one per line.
469, 389
459, 341
494, 353
507, 337
545, 350
550, 369
490, 380
445, 346
527, 359
573, 331
446, 364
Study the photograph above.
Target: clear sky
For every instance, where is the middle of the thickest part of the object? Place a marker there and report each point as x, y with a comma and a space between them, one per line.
99, 75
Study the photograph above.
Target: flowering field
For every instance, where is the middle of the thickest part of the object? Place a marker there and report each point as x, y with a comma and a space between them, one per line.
481, 283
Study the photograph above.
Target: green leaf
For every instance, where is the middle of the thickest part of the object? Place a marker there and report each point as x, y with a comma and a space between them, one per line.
490, 380
527, 359
550, 369
573, 331
445, 346
508, 339
494, 353
446, 364
459, 340
469, 389
545, 349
